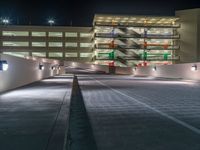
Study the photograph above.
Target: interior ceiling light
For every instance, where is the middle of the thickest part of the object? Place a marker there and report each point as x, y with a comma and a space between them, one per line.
3, 65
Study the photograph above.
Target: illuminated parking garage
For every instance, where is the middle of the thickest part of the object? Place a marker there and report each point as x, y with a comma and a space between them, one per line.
136, 40
120, 85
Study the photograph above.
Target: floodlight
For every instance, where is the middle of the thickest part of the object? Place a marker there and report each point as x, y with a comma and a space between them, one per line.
5, 21
51, 22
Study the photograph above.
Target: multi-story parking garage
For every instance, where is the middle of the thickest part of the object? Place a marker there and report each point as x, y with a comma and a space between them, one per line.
63, 43
136, 40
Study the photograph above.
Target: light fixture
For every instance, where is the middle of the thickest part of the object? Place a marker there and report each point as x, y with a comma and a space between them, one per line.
58, 68
134, 69
41, 67
53, 68
5, 21
3, 65
154, 68
33, 58
194, 68
92, 66
73, 64
51, 22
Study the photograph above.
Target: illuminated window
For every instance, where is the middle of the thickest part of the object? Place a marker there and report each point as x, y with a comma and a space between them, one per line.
39, 54
55, 54
71, 34
86, 54
39, 34
55, 34
17, 54
71, 55
15, 33
71, 44
55, 44
86, 35
85, 44
39, 44
15, 44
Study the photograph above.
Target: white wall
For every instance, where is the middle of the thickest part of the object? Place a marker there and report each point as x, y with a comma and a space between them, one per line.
171, 71
189, 32
87, 66
105, 68
23, 71
123, 70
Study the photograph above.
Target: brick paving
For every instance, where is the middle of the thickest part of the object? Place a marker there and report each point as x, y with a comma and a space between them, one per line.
142, 114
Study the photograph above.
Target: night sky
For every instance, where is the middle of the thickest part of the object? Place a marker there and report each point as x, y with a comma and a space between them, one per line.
80, 13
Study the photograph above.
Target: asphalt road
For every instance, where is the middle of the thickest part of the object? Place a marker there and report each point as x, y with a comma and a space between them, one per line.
34, 117
128, 113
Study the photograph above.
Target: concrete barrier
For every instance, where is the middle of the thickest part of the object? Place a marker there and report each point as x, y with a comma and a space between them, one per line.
87, 66
171, 71
123, 70
23, 71
103, 68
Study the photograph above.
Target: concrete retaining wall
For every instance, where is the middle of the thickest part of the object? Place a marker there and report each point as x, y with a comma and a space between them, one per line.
171, 71
23, 71
104, 68
123, 70
87, 66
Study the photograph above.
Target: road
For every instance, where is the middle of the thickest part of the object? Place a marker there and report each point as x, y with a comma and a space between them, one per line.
132, 113
34, 117
125, 112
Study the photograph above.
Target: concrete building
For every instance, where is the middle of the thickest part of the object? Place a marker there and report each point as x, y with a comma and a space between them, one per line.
63, 43
115, 40
190, 35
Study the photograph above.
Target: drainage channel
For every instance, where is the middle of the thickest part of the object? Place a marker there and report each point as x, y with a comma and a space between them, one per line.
79, 135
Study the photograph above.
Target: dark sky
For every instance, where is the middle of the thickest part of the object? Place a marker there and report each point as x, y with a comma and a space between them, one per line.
81, 13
